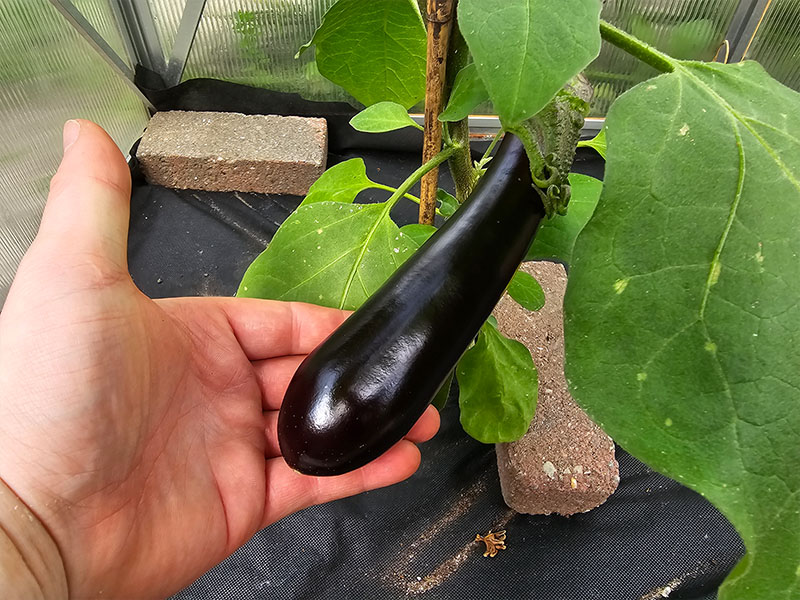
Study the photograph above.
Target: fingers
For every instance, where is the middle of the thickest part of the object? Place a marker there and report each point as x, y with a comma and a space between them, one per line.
272, 448
422, 431
273, 376
289, 491
425, 427
267, 328
88, 206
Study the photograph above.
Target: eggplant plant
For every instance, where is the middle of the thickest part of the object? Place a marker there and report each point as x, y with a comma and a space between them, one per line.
682, 320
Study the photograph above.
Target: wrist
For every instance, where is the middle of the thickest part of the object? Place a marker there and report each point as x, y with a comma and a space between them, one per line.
30, 562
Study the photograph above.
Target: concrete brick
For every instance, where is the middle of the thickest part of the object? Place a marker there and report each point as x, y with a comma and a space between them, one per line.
565, 463
219, 151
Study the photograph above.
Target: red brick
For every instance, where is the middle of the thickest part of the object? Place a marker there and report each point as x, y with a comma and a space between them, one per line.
565, 463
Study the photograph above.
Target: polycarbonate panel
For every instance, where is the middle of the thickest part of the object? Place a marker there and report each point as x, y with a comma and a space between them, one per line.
100, 15
689, 29
253, 42
776, 44
48, 74
167, 17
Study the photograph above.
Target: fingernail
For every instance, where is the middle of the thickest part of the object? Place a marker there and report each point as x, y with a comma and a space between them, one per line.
71, 130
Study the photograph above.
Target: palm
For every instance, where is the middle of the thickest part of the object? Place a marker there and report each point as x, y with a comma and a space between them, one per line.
141, 432
185, 470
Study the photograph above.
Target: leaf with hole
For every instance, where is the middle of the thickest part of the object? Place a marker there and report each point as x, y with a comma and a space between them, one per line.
329, 253
383, 116
526, 50
374, 50
498, 388
682, 319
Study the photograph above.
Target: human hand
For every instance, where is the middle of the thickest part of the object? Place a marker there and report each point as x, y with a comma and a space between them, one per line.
141, 433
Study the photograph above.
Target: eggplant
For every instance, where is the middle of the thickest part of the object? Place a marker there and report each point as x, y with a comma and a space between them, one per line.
361, 390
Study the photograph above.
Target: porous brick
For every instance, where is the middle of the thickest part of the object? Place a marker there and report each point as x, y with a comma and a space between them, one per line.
565, 463
220, 151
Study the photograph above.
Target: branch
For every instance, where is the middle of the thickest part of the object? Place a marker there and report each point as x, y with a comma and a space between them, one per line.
465, 176
427, 167
440, 18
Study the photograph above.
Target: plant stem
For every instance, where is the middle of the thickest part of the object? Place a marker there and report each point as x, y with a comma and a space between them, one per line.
485, 157
440, 18
411, 197
389, 188
637, 48
465, 176
433, 163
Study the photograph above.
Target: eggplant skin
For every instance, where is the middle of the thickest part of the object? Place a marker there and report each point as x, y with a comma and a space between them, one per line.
361, 390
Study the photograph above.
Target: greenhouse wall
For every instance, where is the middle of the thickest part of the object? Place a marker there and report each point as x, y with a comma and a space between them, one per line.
50, 73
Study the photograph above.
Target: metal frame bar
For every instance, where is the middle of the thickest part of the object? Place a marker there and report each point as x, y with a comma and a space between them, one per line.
87, 31
144, 47
490, 124
744, 25
137, 20
184, 38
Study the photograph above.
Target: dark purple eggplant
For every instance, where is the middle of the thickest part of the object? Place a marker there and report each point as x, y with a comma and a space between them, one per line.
363, 388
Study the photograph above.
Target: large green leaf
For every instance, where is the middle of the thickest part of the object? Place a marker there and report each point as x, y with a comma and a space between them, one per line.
329, 253
526, 50
374, 50
682, 313
498, 388
556, 236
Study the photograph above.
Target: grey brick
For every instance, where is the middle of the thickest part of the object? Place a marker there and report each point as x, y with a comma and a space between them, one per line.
219, 151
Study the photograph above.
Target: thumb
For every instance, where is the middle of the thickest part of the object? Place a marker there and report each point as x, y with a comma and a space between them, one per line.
88, 207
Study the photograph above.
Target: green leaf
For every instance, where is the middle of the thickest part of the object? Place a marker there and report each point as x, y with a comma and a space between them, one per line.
383, 116
526, 50
340, 183
417, 234
468, 92
374, 50
498, 387
526, 291
441, 397
556, 236
682, 315
598, 142
448, 205
328, 253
